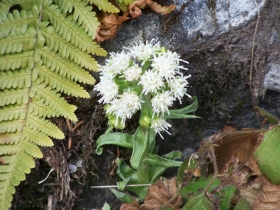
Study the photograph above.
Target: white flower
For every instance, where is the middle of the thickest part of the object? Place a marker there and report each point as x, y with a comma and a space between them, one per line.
116, 63
151, 82
178, 87
107, 88
167, 64
159, 125
161, 102
125, 106
144, 51
132, 73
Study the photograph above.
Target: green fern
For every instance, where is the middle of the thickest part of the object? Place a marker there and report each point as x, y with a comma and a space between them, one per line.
45, 48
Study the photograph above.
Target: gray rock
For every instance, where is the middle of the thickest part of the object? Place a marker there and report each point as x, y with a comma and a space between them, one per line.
272, 78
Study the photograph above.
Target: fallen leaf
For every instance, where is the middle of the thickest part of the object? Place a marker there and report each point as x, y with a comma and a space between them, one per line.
164, 10
269, 195
163, 192
110, 25
237, 146
135, 8
134, 205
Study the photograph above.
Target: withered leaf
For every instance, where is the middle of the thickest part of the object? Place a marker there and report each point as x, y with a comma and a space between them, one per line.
134, 205
270, 195
164, 10
238, 145
135, 8
161, 193
109, 25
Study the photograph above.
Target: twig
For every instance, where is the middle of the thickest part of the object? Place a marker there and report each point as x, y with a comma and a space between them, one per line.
252, 55
115, 186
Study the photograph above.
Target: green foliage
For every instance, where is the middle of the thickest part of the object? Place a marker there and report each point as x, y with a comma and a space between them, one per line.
45, 49
267, 154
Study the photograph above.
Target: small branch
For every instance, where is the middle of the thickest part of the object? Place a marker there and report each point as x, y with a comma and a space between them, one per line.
252, 55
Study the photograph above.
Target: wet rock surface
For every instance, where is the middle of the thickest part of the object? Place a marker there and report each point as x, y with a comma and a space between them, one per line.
216, 37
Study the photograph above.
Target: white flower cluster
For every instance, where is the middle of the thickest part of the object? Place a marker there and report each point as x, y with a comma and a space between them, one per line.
145, 69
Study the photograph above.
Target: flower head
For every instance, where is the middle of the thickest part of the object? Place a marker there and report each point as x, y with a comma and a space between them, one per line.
178, 86
144, 51
151, 82
107, 88
159, 125
161, 102
132, 73
124, 106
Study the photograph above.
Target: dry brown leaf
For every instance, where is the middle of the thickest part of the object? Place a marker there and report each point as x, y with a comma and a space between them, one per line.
134, 205
270, 195
164, 10
163, 192
109, 25
237, 146
135, 8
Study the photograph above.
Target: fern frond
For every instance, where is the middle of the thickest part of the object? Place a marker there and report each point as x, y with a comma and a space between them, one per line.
12, 126
82, 14
45, 48
44, 126
37, 107
67, 28
64, 67
37, 138
53, 100
59, 83
127, 2
8, 149
15, 79
68, 50
18, 22
14, 96
105, 6
13, 112
31, 149
16, 61
13, 138
26, 159
16, 43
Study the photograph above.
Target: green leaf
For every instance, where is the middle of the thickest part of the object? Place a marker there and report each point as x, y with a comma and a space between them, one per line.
198, 202
124, 197
106, 206
183, 113
267, 155
120, 139
105, 5
140, 143
227, 194
243, 204
189, 164
194, 187
157, 160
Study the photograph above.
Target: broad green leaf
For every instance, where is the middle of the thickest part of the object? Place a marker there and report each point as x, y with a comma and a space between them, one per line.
124, 197
161, 161
198, 202
120, 139
156, 171
226, 195
268, 156
194, 187
243, 204
183, 113
140, 143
